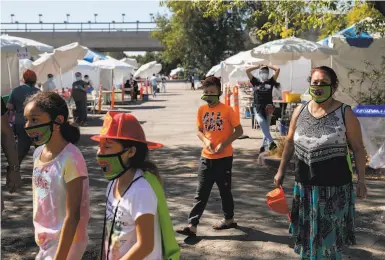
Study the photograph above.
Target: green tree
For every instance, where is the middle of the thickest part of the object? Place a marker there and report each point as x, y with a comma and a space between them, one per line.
197, 41
294, 18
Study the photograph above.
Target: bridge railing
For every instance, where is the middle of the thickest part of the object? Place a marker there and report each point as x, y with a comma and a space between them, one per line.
79, 27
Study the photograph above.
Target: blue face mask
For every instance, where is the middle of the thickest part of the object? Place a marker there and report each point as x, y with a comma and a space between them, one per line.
78, 78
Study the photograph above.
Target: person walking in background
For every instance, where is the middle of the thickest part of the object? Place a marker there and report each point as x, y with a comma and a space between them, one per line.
8, 144
49, 85
16, 103
192, 80
218, 128
59, 179
79, 95
154, 85
323, 209
163, 78
263, 101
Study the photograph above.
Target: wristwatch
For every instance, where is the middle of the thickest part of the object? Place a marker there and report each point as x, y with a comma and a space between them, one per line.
15, 168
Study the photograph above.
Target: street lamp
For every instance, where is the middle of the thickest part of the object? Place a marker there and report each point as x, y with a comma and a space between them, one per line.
152, 17
12, 15
68, 15
95, 15
40, 16
123, 15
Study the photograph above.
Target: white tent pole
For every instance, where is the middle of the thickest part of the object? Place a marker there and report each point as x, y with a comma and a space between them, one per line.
9, 73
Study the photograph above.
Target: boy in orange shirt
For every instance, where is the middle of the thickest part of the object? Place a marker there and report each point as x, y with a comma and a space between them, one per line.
218, 127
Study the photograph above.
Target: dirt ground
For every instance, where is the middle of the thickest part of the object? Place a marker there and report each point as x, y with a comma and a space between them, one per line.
170, 119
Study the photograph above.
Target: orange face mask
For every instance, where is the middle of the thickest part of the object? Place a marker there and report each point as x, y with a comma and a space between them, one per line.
276, 201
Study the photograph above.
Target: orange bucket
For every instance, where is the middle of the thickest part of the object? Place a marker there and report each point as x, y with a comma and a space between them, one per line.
276, 201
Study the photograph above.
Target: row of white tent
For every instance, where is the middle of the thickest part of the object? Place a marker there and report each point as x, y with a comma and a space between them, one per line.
63, 63
296, 63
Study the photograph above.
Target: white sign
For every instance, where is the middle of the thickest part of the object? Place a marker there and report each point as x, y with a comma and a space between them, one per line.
23, 54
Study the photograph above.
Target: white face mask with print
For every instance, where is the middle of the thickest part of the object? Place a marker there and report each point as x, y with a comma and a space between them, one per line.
264, 76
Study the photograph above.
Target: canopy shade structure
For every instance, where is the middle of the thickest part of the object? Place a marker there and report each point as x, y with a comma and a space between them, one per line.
352, 36
63, 59
176, 71
292, 49
92, 56
131, 62
34, 47
148, 69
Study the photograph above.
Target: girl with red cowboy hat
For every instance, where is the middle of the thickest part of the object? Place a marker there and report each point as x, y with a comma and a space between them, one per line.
133, 217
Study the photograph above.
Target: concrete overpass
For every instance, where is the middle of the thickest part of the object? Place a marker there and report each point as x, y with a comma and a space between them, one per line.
103, 37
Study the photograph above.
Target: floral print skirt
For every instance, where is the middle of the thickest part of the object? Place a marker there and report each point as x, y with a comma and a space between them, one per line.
322, 220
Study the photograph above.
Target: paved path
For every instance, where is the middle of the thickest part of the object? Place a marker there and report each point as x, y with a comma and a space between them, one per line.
170, 119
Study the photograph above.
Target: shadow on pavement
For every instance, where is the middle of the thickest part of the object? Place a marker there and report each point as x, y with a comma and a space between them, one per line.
178, 167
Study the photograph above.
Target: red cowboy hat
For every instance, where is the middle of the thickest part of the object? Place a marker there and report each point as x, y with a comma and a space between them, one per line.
123, 126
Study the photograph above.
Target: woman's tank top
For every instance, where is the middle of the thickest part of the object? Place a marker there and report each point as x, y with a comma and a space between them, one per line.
321, 149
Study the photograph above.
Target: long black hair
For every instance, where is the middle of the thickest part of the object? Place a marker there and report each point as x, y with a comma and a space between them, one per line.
140, 159
55, 105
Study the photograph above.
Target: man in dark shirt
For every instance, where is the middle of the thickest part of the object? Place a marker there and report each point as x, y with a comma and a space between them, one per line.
263, 100
79, 95
8, 145
16, 103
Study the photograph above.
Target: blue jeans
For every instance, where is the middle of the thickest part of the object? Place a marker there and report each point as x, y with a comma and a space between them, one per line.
264, 124
154, 88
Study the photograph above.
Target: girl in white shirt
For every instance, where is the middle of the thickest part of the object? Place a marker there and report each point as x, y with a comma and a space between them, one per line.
131, 226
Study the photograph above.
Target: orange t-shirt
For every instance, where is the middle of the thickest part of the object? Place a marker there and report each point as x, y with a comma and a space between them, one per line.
218, 125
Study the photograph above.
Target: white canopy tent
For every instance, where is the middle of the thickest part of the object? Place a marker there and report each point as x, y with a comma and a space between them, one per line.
13, 49
113, 72
176, 71
63, 59
148, 69
34, 47
85, 68
350, 57
131, 62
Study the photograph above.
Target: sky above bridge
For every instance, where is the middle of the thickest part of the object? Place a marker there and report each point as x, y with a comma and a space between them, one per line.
54, 11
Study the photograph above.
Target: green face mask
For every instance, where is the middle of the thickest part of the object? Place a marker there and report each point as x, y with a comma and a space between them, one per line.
40, 134
320, 93
211, 99
112, 165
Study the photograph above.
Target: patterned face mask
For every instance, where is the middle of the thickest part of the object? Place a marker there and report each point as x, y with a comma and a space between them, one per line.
210, 99
320, 93
112, 165
40, 134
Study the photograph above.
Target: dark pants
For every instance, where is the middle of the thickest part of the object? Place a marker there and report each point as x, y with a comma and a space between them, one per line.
192, 85
80, 114
213, 171
24, 142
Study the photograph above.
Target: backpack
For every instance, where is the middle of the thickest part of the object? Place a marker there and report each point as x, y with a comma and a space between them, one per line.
171, 250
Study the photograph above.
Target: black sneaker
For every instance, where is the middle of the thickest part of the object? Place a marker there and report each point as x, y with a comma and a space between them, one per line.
272, 146
262, 149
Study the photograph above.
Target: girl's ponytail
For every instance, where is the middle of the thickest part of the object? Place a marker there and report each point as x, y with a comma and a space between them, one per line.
70, 133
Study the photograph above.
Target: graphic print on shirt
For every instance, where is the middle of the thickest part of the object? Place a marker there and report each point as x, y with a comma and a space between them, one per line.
116, 241
42, 182
213, 121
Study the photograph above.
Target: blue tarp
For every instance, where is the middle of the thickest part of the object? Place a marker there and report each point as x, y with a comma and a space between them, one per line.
353, 37
90, 56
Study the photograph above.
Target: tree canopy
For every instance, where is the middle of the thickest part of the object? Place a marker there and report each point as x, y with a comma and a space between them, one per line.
195, 40
282, 18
